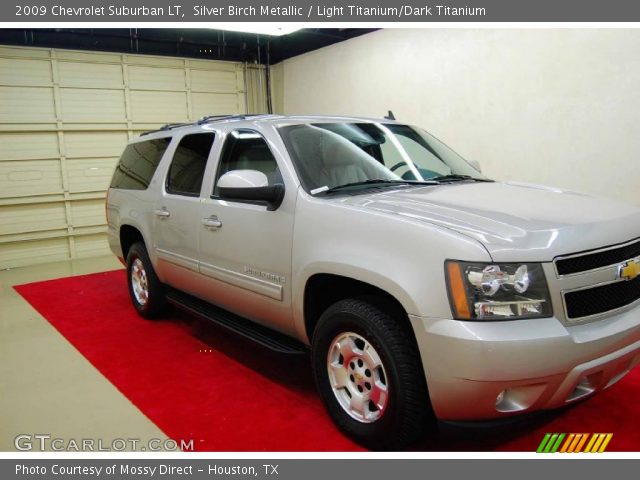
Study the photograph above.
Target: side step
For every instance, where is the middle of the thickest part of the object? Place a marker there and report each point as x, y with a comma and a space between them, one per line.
264, 336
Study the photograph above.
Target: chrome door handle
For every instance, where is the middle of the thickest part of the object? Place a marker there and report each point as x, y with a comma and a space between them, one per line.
211, 222
162, 213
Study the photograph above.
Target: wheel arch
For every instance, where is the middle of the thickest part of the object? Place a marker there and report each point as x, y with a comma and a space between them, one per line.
322, 290
129, 235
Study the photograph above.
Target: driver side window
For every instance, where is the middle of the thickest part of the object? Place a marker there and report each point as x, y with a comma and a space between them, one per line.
247, 150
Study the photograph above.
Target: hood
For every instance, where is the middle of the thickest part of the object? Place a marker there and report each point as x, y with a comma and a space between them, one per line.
515, 222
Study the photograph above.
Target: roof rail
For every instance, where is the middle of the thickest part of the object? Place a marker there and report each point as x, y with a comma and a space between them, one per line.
215, 118
206, 119
168, 126
238, 116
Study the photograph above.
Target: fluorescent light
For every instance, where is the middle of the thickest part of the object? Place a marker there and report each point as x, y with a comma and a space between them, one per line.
261, 29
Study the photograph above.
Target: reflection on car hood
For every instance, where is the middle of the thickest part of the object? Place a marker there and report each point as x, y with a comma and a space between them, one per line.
515, 222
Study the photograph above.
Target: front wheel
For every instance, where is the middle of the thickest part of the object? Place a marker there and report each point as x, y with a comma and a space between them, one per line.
368, 372
145, 289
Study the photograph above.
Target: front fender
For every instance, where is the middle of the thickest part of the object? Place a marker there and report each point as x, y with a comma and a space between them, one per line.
404, 257
364, 275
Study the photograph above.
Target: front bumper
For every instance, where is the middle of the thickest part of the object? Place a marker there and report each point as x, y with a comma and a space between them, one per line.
483, 370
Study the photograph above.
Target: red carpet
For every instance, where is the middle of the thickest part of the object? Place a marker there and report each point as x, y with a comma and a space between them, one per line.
240, 397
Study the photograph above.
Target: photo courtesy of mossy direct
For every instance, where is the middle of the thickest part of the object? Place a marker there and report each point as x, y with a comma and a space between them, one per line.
124, 469
308, 469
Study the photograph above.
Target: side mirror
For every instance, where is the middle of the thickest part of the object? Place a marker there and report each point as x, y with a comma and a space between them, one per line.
476, 165
250, 186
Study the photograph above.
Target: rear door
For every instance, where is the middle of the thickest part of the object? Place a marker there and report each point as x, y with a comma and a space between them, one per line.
176, 213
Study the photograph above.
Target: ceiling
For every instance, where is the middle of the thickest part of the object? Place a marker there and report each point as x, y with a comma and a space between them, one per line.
193, 43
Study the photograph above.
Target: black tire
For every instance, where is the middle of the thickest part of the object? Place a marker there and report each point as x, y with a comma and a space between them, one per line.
156, 303
408, 413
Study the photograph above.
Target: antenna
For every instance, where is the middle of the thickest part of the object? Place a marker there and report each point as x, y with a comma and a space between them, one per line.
390, 116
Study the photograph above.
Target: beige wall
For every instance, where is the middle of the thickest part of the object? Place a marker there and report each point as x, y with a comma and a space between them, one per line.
552, 106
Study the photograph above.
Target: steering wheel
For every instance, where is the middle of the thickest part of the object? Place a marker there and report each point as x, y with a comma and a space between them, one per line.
398, 165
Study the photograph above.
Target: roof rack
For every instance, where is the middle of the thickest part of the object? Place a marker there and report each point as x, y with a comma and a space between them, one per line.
206, 119
168, 126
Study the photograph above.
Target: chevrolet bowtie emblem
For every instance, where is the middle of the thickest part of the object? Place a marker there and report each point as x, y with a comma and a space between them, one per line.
629, 270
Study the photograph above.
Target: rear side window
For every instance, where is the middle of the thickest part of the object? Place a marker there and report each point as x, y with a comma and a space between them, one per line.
138, 163
188, 164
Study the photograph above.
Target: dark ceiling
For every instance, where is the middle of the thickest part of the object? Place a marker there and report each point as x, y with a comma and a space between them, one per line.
193, 43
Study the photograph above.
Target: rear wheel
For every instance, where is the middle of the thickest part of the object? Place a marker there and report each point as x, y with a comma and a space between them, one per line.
145, 289
369, 375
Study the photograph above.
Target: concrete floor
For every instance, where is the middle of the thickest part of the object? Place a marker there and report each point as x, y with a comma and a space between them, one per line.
46, 386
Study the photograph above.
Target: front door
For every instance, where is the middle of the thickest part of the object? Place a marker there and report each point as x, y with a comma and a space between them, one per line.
244, 249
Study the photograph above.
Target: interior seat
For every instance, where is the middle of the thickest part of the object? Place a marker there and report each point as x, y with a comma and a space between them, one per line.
343, 162
258, 157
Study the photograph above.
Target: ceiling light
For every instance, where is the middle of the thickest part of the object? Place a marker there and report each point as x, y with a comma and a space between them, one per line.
260, 29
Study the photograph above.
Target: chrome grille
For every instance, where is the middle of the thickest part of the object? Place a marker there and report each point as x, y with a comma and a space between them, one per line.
589, 283
601, 299
585, 261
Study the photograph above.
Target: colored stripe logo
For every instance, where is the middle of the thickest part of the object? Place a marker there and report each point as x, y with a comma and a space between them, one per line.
574, 443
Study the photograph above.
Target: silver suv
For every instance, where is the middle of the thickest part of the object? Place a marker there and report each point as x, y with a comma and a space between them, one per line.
421, 288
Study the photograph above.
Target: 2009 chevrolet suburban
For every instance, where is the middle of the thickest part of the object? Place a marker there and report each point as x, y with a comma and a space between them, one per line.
422, 288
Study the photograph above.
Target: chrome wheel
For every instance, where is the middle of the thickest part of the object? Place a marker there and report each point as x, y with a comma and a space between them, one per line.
139, 282
357, 377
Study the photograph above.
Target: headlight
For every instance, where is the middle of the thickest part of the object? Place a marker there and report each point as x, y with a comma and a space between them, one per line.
481, 291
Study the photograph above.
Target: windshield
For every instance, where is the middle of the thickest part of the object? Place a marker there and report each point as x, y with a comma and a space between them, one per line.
329, 155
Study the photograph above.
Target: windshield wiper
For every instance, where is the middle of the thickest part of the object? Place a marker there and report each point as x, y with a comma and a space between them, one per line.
456, 177
376, 182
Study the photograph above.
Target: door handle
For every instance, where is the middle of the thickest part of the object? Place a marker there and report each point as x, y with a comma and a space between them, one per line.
163, 213
211, 222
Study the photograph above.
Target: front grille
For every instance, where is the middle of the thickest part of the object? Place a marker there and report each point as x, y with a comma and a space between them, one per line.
591, 301
590, 261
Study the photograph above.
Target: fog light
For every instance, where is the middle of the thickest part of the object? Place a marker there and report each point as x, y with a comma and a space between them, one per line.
519, 398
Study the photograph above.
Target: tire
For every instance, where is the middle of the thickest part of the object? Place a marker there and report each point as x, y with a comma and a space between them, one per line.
403, 415
145, 289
